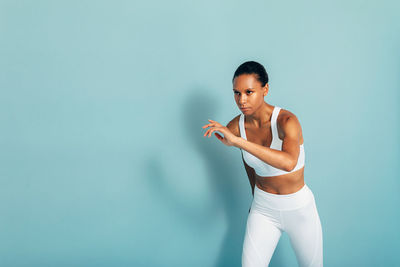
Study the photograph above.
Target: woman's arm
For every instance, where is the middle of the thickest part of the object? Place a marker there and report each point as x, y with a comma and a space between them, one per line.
287, 158
251, 174
233, 126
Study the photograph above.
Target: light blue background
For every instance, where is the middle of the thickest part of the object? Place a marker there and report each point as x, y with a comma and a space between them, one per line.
103, 162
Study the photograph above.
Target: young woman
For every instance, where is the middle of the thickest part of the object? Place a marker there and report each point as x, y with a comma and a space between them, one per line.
271, 141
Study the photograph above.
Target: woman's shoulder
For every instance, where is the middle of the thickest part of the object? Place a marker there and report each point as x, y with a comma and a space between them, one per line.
285, 115
287, 120
233, 125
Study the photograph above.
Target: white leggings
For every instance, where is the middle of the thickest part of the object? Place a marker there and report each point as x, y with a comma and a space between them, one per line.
270, 215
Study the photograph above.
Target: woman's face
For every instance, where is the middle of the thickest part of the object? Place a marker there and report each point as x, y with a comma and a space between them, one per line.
249, 94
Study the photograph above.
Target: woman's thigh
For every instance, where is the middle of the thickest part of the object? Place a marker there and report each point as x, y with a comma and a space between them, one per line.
261, 238
303, 227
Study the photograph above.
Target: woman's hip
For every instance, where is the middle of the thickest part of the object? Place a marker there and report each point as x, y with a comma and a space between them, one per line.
265, 201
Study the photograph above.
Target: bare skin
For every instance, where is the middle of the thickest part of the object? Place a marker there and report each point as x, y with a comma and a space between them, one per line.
250, 93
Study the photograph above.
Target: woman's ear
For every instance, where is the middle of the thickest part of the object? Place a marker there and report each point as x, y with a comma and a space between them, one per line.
266, 89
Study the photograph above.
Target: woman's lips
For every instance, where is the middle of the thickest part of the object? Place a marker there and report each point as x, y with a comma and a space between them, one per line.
244, 109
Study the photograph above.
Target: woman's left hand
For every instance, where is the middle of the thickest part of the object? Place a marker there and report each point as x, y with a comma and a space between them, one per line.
228, 138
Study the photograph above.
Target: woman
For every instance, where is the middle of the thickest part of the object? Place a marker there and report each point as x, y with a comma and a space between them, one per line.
271, 142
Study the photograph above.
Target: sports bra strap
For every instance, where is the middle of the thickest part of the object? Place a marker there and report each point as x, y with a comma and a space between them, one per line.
274, 127
241, 125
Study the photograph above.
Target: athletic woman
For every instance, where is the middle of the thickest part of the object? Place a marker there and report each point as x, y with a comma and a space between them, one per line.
271, 141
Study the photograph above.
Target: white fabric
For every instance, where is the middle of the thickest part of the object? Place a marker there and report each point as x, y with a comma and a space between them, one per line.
271, 215
261, 167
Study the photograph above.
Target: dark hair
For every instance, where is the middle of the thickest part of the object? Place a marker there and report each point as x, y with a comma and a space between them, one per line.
252, 67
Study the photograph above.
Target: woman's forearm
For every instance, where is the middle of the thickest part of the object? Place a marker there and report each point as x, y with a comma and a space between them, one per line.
276, 158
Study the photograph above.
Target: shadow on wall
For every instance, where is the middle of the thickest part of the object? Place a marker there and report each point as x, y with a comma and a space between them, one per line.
226, 191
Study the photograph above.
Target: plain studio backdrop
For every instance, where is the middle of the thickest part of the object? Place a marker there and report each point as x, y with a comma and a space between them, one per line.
102, 156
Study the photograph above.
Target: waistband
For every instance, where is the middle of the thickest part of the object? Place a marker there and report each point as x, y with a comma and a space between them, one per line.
291, 201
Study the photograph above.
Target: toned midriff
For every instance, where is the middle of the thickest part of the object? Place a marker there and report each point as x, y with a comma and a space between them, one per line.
282, 184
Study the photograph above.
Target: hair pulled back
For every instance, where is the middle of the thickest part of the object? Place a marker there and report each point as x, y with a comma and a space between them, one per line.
252, 67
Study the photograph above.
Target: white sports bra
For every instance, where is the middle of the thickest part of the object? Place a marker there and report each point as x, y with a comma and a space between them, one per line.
261, 167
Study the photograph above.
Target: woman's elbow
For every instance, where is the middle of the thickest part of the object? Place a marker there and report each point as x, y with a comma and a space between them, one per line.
291, 165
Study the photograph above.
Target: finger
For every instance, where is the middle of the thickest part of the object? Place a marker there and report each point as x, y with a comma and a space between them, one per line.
207, 125
208, 130
215, 122
213, 130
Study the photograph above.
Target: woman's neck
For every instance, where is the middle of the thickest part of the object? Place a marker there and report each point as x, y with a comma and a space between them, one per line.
261, 116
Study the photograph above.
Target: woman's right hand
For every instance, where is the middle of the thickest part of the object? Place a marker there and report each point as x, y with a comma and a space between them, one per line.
228, 139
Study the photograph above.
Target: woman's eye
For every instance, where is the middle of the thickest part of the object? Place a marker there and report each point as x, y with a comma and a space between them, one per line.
238, 93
